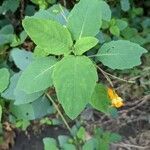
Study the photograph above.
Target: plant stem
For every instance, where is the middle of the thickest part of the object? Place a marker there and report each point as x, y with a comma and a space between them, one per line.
105, 75
59, 112
108, 74
119, 78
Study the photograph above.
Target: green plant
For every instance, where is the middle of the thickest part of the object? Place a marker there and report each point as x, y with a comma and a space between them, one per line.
100, 140
63, 68
73, 75
74, 72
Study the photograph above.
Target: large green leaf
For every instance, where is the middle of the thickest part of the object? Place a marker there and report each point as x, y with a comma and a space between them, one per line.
85, 18
49, 35
84, 44
120, 54
4, 79
31, 111
74, 78
20, 97
37, 76
100, 100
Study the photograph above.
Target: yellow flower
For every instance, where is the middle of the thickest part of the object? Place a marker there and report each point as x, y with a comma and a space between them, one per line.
116, 101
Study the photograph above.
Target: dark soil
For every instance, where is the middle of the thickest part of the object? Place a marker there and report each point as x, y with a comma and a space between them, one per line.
34, 141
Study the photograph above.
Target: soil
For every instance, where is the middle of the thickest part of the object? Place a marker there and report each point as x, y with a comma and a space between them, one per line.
33, 141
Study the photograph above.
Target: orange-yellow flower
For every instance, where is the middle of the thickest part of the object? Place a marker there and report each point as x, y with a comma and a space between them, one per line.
116, 101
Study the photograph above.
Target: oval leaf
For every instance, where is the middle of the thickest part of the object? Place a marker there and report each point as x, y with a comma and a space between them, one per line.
21, 97
37, 76
21, 58
120, 54
31, 111
49, 35
85, 19
74, 79
105, 10
84, 44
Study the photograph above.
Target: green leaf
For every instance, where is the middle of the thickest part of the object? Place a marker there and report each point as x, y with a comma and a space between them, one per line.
19, 40
39, 52
56, 13
31, 111
60, 13
7, 5
63, 139
8, 29
84, 44
74, 79
125, 5
81, 133
103, 145
120, 54
42, 3
106, 139
100, 99
50, 144
121, 24
9, 92
4, 79
21, 58
129, 33
90, 144
85, 19
37, 76
56, 39
115, 30
21, 97
69, 147
6, 38
23, 124
6, 34
115, 137
105, 10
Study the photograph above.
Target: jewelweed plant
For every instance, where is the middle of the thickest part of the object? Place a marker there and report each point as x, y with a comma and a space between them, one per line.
62, 61
73, 73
